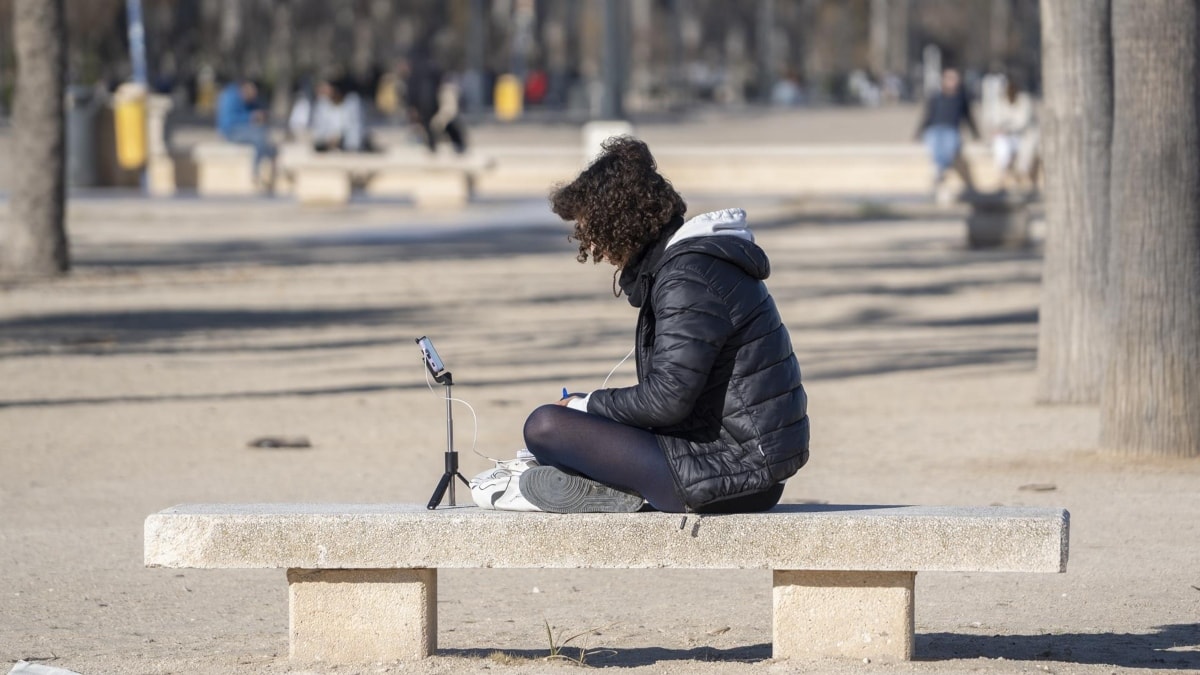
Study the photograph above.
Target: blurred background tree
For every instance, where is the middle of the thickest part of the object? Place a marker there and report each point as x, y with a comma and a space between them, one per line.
35, 239
678, 52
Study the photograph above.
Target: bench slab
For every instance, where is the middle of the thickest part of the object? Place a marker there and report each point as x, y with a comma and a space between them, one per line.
363, 577
796, 536
433, 181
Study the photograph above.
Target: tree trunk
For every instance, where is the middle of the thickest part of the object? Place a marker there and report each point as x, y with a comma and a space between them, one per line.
35, 243
999, 27
899, 27
1150, 404
877, 36
280, 60
1076, 125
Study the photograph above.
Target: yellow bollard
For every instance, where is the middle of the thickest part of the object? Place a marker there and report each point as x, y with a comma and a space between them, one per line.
509, 97
129, 115
387, 95
206, 91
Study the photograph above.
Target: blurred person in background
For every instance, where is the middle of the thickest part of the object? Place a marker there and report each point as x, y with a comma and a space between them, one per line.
1015, 139
940, 129
242, 119
432, 101
338, 120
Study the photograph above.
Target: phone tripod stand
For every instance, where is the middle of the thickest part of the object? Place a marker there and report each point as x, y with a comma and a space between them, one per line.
447, 480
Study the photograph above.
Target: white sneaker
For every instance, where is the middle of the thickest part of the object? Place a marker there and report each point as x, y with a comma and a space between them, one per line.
499, 489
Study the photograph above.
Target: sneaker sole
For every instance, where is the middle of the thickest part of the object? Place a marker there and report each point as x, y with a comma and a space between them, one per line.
556, 491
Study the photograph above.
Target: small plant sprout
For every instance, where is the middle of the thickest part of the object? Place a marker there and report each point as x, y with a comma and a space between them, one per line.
558, 643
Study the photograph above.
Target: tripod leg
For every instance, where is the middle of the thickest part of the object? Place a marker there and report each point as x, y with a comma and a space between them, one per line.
440, 491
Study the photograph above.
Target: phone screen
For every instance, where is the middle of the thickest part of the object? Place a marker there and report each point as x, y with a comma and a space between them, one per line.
431, 356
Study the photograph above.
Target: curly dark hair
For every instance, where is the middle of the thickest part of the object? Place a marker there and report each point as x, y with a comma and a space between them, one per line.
619, 204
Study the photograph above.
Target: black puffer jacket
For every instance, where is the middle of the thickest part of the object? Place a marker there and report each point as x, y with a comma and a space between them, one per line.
718, 382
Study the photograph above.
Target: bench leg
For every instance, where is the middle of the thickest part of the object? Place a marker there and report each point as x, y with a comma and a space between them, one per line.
356, 616
1003, 226
321, 187
218, 178
853, 614
446, 192
429, 189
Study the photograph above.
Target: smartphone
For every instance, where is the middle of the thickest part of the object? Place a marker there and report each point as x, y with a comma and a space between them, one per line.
432, 360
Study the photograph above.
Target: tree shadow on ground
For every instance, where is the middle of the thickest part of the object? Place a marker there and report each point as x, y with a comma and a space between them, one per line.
599, 655
159, 331
893, 290
253, 330
1127, 650
553, 377
154, 324
350, 248
928, 359
383, 244
1124, 650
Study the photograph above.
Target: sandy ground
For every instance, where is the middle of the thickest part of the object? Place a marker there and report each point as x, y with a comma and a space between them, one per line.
190, 328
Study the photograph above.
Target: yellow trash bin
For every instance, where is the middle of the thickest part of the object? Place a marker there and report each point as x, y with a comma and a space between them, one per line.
129, 115
387, 95
509, 97
206, 91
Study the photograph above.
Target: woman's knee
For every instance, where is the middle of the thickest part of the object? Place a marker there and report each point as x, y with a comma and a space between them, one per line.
541, 425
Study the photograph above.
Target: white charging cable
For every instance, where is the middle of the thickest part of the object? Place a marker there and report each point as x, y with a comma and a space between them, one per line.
619, 364
474, 417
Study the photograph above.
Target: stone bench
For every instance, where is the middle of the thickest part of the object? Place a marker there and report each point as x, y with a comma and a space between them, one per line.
998, 220
329, 178
362, 578
223, 169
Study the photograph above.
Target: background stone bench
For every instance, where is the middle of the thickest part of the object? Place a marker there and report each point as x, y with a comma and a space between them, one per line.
329, 178
223, 169
998, 220
362, 578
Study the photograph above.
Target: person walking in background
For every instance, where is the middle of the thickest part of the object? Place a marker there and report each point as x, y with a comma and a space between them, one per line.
447, 120
1015, 139
940, 129
241, 119
424, 96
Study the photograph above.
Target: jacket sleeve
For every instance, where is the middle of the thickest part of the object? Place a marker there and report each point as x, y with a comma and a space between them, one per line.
691, 326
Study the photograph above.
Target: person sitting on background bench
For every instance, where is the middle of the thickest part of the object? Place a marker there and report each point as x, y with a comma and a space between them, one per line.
242, 120
946, 111
718, 418
338, 120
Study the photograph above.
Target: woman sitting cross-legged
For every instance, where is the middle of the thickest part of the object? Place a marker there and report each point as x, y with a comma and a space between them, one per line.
718, 418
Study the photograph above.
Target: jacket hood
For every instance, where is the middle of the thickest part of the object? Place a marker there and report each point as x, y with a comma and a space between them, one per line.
726, 222
722, 234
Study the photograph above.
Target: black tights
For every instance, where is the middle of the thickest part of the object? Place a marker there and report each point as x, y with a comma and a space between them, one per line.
618, 455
